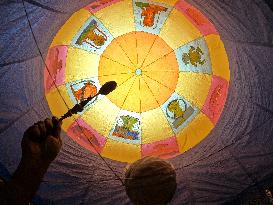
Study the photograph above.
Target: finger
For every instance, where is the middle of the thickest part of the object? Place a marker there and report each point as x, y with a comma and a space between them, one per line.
56, 127
57, 131
56, 121
52, 147
49, 126
33, 130
60, 141
33, 133
42, 128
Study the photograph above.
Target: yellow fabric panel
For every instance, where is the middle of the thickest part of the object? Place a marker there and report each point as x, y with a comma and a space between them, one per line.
166, 63
218, 56
58, 107
145, 42
121, 151
154, 126
132, 101
109, 67
147, 100
194, 87
160, 92
117, 18
101, 116
195, 132
128, 44
167, 78
158, 50
80, 64
115, 52
164, 73
120, 78
168, 2
178, 31
119, 95
70, 28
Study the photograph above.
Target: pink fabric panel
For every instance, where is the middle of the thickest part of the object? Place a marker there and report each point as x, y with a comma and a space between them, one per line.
55, 62
85, 135
100, 4
216, 98
164, 149
196, 18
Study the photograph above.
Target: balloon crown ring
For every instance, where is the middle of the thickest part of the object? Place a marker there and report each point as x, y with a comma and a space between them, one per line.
138, 71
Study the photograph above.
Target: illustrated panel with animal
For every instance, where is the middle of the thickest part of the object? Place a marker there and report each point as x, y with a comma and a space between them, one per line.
149, 16
194, 57
55, 70
164, 149
179, 112
127, 128
80, 90
86, 136
92, 37
216, 98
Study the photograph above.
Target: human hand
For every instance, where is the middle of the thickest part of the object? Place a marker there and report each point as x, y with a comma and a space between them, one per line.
42, 142
40, 145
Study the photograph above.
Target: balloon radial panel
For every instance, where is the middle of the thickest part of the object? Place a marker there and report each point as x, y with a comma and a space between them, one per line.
171, 69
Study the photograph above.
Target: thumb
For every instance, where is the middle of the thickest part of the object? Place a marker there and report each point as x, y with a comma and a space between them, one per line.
56, 127
52, 147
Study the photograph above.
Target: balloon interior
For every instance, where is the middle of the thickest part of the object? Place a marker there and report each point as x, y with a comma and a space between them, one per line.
171, 71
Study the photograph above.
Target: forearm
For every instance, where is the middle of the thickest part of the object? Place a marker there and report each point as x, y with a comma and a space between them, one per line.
25, 182
3, 197
40, 145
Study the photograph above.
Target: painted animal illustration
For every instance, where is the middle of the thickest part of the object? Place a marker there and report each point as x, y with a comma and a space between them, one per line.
90, 137
87, 90
193, 56
92, 35
86, 135
149, 11
126, 130
128, 122
179, 115
55, 66
177, 111
196, 16
163, 151
215, 99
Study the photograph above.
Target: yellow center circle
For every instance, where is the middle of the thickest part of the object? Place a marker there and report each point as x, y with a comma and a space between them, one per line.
145, 69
